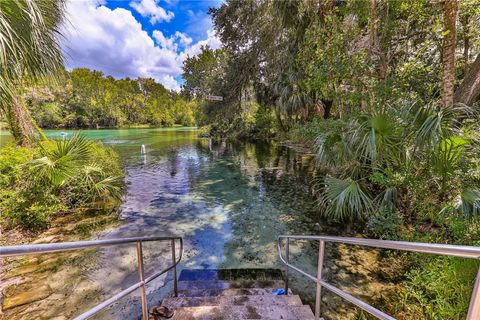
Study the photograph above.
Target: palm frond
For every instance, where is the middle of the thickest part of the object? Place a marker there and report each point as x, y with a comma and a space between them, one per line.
344, 199
445, 155
29, 32
433, 123
63, 161
108, 187
469, 204
388, 199
377, 137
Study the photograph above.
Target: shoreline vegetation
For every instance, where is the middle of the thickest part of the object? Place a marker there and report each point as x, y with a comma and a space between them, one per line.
55, 177
84, 98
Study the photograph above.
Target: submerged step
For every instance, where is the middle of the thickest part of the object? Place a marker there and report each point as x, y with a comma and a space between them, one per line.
272, 312
230, 274
226, 292
219, 284
293, 300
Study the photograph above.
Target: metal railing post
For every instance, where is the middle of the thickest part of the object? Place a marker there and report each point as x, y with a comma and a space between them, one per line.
175, 289
141, 275
318, 295
474, 308
287, 254
11, 251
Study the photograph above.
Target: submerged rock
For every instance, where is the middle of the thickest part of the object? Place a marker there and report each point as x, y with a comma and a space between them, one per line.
26, 297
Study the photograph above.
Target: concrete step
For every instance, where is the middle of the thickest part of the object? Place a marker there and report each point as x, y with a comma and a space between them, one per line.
273, 312
227, 292
293, 300
226, 284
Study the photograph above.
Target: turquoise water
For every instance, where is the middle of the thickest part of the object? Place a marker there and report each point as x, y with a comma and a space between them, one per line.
230, 202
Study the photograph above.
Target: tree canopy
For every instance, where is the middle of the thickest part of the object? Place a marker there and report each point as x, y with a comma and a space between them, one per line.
304, 59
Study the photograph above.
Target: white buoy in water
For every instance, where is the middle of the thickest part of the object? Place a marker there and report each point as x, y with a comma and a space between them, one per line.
142, 149
63, 135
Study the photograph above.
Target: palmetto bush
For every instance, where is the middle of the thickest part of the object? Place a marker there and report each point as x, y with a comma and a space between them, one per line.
419, 151
57, 177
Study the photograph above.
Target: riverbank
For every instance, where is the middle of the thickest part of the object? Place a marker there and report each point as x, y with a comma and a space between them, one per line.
33, 284
51, 178
423, 286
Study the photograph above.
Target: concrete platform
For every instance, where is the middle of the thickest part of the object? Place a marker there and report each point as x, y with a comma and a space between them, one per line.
251, 311
292, 300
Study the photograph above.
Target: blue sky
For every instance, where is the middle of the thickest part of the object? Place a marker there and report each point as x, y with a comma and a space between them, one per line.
137, 38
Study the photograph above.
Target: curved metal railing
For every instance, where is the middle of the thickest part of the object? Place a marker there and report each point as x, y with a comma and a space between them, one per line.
441, 249
9, 251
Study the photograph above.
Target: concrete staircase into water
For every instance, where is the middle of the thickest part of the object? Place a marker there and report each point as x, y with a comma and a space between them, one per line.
234, 294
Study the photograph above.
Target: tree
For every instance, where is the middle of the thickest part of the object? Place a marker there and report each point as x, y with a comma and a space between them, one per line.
469, 88
344, 57
201, 72
29, 49
450, 10
89, 99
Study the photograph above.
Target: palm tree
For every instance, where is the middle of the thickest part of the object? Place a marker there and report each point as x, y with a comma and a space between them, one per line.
73, 161
29, 49
358, 154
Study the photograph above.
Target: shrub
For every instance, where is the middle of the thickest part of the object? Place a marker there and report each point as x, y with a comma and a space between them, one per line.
439, 288
308, 132
386, 224
56, 177
421, 157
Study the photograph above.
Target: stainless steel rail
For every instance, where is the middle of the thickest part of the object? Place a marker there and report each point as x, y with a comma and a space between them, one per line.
448, 250
9, 251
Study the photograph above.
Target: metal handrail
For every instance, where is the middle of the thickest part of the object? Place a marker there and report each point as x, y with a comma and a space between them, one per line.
10, 251
441, 249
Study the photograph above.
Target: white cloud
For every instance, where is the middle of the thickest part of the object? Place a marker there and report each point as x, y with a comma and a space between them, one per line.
113, 41
179, 39
164, 42
212, 41
150, 8
169, 82
184, 39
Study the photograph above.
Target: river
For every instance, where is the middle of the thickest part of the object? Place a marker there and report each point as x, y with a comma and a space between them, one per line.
229, 201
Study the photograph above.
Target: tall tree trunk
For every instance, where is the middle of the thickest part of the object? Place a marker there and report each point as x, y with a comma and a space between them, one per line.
20, 123
378, 50
465, 21
373, 32
450, 10
469, 88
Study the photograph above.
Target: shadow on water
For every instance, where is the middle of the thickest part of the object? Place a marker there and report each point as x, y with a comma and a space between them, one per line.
229, 201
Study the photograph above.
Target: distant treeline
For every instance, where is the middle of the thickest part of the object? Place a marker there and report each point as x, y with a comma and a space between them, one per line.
88, 99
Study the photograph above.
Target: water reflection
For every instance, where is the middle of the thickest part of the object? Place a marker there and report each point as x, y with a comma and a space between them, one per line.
229, 201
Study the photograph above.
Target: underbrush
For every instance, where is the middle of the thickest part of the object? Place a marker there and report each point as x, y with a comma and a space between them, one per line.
56, 177
306, 133
257, 124
435, 287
